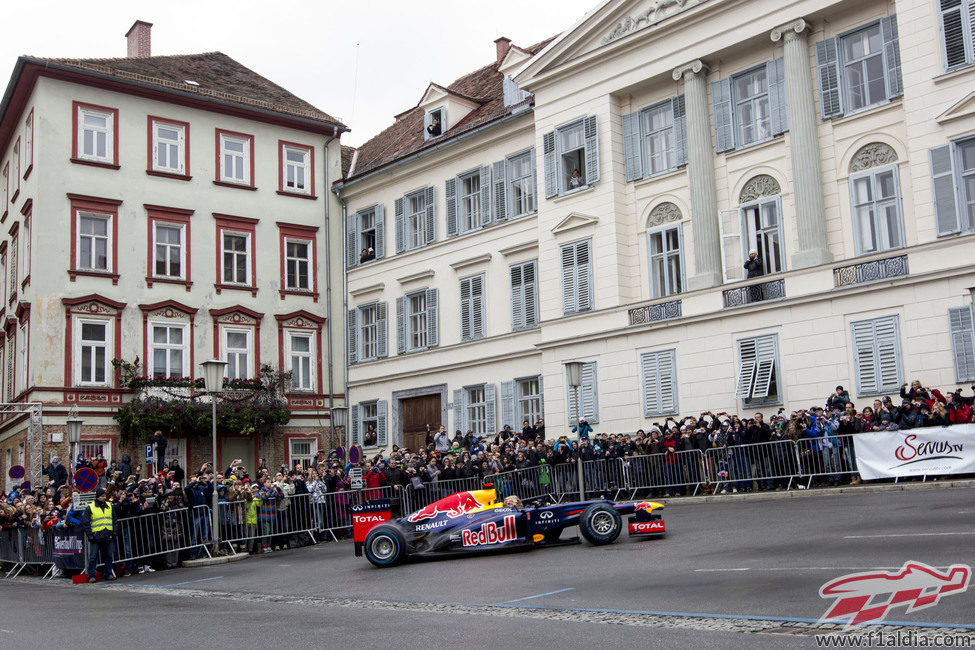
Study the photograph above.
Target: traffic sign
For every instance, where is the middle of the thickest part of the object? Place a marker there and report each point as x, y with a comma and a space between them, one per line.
85, 479
354, 454
148, 454
17, 472
339, 452
356, 475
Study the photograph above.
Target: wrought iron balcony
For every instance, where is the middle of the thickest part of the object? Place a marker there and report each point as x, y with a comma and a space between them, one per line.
759, 292
654, 313
889, 267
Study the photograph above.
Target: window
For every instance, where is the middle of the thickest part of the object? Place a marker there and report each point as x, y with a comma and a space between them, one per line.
297, 263
659, 372
957, 33
169, 350
302, 451
666, 261
655, 139
300, 361
5, 189
14, 261
519, 180
758, 371
368, 424
29, 143
475, 409
299, 247
521, 400
366, 235
3, 271
25, 261
576, 277
168, 250
416, 321
15, 154
962, 342
468, 201
414, 220
237, 350
434, 123
876, 204
512, 93
763, 233
94, 224
749, 107
524, 295
876, 355
953, 175
168, 150
859, 69
367, 332
94, 448
472, 308
236, 265
235, 159
96, 134
22, 343
94, 241
586, 392
94, 352
297, 169
571, 155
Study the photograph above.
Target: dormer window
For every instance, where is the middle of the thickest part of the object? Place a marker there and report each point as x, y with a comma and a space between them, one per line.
435, 123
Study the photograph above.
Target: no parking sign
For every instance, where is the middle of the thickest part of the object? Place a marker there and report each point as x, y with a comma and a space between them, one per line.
85, 479
17, 472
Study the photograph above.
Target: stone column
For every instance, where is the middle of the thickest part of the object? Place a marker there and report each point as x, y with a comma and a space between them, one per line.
700, 175
807, 175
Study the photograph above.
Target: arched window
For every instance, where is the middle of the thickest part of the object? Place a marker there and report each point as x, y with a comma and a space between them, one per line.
665, 243
760, 208
875, 199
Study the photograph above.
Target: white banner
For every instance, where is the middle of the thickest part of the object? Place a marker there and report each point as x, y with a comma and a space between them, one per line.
930, 451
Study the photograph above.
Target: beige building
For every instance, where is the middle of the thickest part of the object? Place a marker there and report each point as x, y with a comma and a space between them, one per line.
607, 218
169, 209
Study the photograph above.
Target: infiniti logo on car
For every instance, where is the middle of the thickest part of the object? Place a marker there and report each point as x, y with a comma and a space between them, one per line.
548, 514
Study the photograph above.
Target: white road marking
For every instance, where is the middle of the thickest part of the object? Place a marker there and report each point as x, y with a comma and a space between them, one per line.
6, 631
721, 570
548, 593
969, 532
804, 568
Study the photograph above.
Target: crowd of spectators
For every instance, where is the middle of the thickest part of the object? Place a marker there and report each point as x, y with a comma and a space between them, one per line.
260, 495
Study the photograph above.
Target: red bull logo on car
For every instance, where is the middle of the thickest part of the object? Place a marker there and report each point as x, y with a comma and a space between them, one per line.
491, 533
455, 505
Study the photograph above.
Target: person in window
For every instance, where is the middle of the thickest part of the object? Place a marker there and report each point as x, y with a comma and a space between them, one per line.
370, 437
575, 180
753, 265
434, 127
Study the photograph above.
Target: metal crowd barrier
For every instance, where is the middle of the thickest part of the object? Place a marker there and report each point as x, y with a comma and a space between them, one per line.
22, 547
829, 456
527, 483
684, 471
771, 464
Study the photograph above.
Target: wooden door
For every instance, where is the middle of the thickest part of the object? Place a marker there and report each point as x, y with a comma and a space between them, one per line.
418, 412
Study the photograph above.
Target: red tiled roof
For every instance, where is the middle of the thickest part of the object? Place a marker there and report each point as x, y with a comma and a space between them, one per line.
405, 136
218, 76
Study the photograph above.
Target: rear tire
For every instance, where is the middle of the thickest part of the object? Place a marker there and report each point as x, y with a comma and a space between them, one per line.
385, 546
600, 524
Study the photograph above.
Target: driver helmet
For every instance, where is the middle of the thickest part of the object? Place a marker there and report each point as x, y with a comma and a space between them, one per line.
512, 501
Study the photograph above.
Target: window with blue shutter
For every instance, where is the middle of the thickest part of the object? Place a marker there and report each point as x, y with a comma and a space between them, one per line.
758, 372
524, 295
415, 220
571, 157
875, 201
659, 371
515, 191
370, 426
665, 253
460, 410
576, 277
416, 320
957, 33
877, 355
367, 332
365, 236
962, 342
859, 69
655, 139
472, 308
468, 199
588, 395
953, 178
750, 107
383, 437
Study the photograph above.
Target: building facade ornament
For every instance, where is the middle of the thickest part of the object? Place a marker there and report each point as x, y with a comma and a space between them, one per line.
663, 213
693, 67
657, 11
789, 30
758, 187
875, 154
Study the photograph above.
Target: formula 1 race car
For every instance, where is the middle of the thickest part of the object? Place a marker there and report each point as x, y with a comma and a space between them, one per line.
474, 521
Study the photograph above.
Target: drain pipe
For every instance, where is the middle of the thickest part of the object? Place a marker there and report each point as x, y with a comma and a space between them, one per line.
345, 306
328, 291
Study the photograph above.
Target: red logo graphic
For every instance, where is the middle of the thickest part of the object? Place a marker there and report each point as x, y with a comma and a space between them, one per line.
916, 585
646, 527
491, 533
454, 506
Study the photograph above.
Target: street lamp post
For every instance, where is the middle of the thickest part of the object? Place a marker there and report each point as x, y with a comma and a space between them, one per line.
213, 382
74, 437
573, 371
339, 415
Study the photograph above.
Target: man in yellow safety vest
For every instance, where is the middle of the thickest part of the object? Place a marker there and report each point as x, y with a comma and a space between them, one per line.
99, 522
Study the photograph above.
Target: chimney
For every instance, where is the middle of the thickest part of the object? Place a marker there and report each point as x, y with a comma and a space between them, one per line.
503, 44
138, 40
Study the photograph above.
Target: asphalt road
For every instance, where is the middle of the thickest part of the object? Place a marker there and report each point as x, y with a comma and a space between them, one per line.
728, 574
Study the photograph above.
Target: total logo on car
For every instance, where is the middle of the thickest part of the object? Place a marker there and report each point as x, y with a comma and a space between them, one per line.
490, 533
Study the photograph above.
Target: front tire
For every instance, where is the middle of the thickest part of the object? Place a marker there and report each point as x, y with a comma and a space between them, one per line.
600, 524
385, 546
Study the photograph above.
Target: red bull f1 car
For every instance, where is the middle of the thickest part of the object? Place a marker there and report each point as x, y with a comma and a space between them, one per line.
473, 521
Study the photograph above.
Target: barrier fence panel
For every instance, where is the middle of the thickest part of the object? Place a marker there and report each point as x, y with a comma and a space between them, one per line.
527, 483
415, 498
161, 533
26, 546
829, 456
739, 468
678, 473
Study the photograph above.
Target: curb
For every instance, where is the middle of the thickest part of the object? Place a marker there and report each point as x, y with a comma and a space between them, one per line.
820, 492
220, 559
